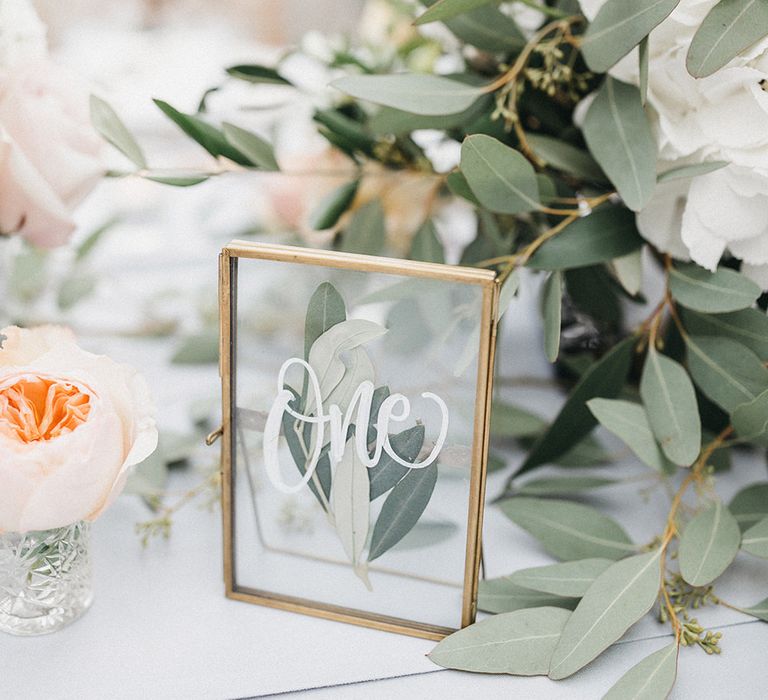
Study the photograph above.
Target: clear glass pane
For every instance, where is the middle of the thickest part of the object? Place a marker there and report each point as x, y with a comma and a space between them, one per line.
380, 525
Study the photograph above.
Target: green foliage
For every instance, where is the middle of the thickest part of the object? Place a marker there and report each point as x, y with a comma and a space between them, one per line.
711, 292
618, 27
332, 207
652, 678
619, 136
709, 544
110, 126
551, 310
570, 579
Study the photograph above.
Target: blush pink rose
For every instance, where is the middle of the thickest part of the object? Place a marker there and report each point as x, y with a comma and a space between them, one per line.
50, 156
72, 424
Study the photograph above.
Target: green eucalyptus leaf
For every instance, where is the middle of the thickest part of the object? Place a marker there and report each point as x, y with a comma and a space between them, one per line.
389, 120
709, 544
570, 579
728, 373
500, 595
402, 509
427, 533
618, 598
750, 505
326, 308
759, 610
366, 232
644, 65
198, 349
518, 643
607, 233
628, 270
730, 27
387, 473
552, 311
748, 327
446, 9
508, 421
629, 422
500, 177
620, 138
208, 136
588, 452
351, 507
605, 379
651, 679
755, 539
618, 27
487, 29
257, 74
75, 288
564, 485
569, 530
177, 178
671, 407
112, 128
683, 172
458, 184
331, 208
417, 93
750, 420
711, 292
255, 148
426, 245
561, 155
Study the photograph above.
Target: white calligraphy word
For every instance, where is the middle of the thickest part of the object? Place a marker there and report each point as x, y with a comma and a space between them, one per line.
395, 408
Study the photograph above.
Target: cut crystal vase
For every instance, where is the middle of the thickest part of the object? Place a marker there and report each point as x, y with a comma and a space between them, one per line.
45, 579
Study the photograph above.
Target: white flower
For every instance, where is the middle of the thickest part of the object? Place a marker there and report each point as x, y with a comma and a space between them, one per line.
22, 33
721, 117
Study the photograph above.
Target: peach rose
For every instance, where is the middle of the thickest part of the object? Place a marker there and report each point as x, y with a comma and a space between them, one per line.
50, 156
72, 424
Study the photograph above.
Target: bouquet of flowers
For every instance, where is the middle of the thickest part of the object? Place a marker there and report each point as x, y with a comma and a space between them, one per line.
582, 141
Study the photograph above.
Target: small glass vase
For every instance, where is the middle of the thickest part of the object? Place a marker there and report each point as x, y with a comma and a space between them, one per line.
45, 579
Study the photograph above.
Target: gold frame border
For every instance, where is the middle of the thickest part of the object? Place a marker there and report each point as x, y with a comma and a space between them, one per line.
488, 280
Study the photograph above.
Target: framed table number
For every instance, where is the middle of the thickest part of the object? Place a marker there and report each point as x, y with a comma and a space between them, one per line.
356, 401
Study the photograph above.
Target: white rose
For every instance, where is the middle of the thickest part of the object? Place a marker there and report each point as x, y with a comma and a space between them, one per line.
22, 33
721, 117
72, 424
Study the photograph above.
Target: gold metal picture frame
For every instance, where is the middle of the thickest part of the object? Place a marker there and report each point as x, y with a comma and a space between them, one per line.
490, 287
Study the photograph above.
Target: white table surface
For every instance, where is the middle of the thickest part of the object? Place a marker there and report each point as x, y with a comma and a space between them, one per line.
161, 627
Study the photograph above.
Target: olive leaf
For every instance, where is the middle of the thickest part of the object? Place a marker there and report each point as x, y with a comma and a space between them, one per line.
252, 73
518, 643
349, 499
619, 136
402, 509
651, 679
569, 530
417, 93
551, 309
326, 308
508, 421
106, 121
387, 473
750, 420
561, 155
255, 148
755, 539
618, 598
607, 233
569, 579
683, 172
426, 245
618, 27
176, 178
730, 27
208, 136
331, 208
728, 373
605, 379
750, 505
711, 292
500, 595
446, 9
708, 545
670, 403
748, 327
500, 177
366, 232
759, 610
488, 29
324, 355
563, 485
629, 422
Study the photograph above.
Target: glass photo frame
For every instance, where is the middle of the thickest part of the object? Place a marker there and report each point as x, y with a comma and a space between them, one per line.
356, 411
